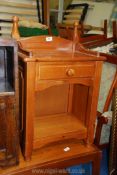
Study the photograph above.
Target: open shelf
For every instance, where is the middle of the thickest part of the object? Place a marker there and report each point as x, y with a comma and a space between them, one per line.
7, 70
9, 141
57, 127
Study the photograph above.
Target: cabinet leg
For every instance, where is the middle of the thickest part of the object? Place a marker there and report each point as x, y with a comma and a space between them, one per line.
27, 158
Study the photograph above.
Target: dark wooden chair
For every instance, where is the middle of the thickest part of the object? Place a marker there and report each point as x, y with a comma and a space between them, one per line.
90, 40
75, 12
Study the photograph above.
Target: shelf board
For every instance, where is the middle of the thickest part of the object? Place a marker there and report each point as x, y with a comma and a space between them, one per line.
5, 87
57, 127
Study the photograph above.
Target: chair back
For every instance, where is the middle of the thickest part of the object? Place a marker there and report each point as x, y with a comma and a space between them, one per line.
75, 12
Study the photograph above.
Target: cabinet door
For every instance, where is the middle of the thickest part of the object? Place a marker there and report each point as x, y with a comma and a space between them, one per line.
8, 131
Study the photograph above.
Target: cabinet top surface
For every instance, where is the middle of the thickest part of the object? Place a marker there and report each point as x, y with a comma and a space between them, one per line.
46, 48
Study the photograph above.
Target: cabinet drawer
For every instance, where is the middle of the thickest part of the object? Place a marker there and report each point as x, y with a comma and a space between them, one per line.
64, 71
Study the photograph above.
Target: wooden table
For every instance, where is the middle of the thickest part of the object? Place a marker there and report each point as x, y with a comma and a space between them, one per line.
53, 159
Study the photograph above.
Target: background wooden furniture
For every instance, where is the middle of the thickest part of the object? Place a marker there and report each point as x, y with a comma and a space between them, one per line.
88, 40
9, 142
66, 31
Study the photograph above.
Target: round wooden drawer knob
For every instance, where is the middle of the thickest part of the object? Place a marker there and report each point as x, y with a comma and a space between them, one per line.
70, 72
